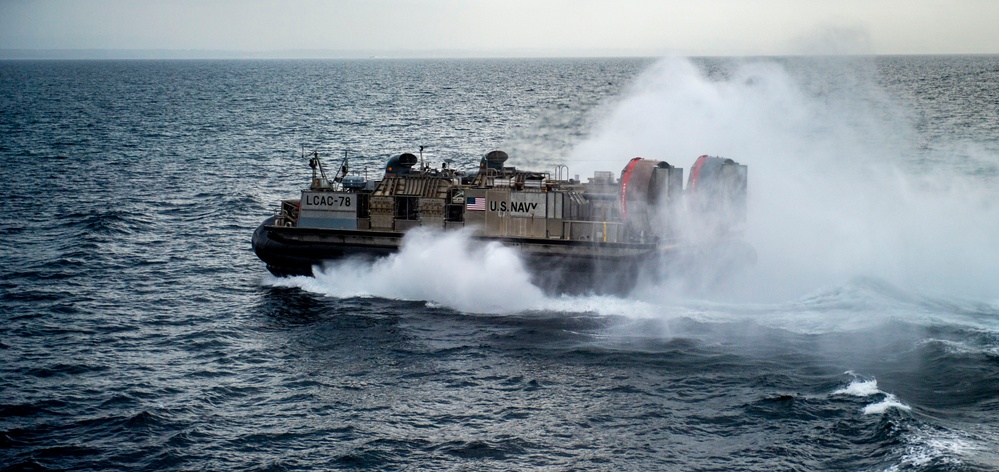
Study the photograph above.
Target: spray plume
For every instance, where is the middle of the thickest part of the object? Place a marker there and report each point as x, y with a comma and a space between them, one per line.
448, 268
835, 187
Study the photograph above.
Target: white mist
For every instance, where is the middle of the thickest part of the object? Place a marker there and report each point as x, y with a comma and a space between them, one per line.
835, 190
448, 268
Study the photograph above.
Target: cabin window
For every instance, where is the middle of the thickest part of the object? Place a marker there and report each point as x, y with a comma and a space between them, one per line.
455, 212
407, 208
363, 205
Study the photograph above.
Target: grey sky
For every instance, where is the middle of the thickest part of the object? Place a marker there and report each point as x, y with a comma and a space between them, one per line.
508, 27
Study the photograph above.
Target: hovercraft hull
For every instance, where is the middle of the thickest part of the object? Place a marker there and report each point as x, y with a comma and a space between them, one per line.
573, 236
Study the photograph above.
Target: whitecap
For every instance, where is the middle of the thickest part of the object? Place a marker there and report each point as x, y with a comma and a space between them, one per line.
890, 401
860, 388
867, 387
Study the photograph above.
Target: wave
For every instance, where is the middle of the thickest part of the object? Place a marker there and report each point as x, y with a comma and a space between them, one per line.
107, 222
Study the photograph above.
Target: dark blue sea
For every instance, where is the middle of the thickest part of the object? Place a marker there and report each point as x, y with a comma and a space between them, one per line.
138, 330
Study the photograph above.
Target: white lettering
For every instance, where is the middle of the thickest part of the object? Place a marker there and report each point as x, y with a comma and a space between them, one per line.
328, 201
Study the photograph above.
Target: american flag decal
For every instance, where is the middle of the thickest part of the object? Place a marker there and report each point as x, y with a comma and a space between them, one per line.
475, 203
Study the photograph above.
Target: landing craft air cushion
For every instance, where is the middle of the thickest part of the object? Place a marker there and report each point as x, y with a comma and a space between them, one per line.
600, 235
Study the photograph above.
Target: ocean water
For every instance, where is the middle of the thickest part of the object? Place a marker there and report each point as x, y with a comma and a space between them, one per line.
139, 331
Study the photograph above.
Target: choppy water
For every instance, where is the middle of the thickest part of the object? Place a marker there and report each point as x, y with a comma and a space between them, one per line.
140, 332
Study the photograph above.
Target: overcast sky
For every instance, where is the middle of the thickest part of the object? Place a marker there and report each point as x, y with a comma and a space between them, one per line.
507, 27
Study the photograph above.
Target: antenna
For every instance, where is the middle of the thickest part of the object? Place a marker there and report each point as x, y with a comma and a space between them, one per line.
342, 172
423, 167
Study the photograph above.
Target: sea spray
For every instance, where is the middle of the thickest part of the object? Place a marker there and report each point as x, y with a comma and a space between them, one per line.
449, 268
838, 185
869, 387
455, 270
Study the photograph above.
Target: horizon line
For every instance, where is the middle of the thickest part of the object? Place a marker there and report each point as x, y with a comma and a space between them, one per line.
305, 53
